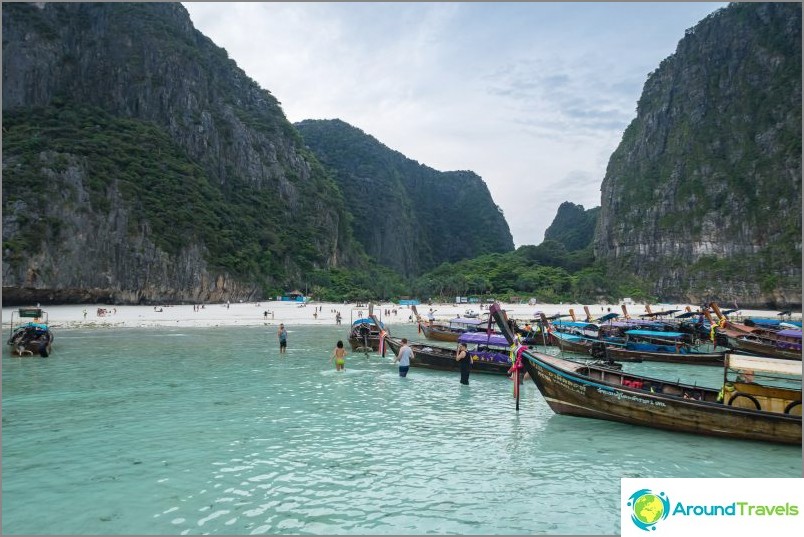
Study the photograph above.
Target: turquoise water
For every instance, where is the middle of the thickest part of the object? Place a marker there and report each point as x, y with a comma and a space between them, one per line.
191, 431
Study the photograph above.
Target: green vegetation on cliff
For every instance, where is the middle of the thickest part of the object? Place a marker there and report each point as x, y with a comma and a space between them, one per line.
133, 167
408, 216
703, 195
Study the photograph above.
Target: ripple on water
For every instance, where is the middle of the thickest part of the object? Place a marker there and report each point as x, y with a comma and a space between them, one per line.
178, 434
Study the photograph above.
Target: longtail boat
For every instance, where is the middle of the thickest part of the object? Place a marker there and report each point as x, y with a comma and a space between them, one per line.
490, 353
451, 331
365, 332
33, 337
785, 344
739, 409
652, 346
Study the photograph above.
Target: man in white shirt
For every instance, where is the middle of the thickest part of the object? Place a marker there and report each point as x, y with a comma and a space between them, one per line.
404, 356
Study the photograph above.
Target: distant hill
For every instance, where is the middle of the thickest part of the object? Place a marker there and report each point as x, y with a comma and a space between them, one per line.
573, 226
702, 198
408, 216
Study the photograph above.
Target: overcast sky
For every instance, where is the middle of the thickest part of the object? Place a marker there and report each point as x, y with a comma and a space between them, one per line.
533, 97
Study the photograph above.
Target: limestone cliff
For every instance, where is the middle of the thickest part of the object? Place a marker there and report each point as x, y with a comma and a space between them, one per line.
408, 216
702, 198
140, 164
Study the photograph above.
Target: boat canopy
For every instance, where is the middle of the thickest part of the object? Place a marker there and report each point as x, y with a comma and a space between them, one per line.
568, 337
651, 333
765, 322
634, 322
764, 365
659, 313
366, 321
608, 317
40, 326
481, 338
789, 333
576, 324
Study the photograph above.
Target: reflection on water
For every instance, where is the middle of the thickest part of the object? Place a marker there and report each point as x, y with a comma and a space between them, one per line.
197, 431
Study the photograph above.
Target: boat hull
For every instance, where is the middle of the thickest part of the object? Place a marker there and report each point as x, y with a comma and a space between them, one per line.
763, 349
568, 391
440, 334
444, 359
31, 340
359, 344
629, 355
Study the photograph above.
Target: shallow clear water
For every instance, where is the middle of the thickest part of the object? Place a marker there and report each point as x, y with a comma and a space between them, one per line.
191, 431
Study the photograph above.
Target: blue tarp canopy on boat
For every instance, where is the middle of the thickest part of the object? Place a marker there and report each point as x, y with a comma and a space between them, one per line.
651, 333
577, 324
765, 322
481, 338
366, 321
568, 337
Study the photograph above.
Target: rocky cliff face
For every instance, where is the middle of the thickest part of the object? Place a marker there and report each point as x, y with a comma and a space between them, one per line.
573, 226
703, 195
408, 216
74, 228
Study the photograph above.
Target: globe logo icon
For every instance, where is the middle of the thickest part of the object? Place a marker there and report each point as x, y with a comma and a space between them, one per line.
648, 508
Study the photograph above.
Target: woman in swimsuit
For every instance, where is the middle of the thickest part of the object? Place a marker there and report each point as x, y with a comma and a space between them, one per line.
339, 355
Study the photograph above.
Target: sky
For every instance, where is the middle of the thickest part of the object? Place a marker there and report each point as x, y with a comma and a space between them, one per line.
532, 96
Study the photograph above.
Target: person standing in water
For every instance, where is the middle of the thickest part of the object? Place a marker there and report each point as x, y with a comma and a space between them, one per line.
339, 355
464, 359
283, 338
404, 356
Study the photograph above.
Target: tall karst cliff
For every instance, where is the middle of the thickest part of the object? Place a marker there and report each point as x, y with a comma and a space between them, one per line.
408, 216
703, 195
141, 164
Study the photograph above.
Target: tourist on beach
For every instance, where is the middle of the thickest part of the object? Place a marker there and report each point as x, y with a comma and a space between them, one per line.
465, 361
265, 315
283, 338
339, 355
404, 356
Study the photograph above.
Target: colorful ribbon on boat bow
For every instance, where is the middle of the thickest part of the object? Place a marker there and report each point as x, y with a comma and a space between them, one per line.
381, 347
516, 366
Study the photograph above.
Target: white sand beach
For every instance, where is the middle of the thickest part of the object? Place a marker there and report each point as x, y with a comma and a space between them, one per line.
289, 313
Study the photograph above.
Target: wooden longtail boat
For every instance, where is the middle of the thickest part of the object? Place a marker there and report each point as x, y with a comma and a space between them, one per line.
786, 345
650, 346
450, 332
365, 333
490, 354
740, 409
31, 338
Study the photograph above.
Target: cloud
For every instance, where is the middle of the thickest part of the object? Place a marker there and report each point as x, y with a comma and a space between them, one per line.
533, 97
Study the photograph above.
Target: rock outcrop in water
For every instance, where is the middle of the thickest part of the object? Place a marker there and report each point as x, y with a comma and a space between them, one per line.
703, 195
